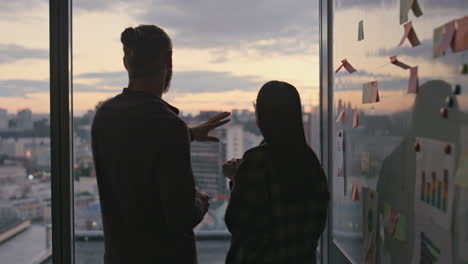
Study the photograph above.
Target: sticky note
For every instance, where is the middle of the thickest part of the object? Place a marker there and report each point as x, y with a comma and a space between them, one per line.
393, 221
410, 34
370, 93
406, 6
464, 69
449, 32
449, 101
355, 118
460, 41
437, 40
361, 30
386, 212
341, 117
401, 228
394, 60
355, 194
347, 66
413, 84
457, 89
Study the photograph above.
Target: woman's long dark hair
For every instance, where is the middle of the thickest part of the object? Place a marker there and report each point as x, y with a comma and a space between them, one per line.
279, 116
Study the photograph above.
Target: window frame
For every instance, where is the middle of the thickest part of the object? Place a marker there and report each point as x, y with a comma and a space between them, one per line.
60, 131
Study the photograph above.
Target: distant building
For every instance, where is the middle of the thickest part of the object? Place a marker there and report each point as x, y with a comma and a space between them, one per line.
207, 160
24, 120
34, 148
312, 129
3, 119
12, 175
234, 141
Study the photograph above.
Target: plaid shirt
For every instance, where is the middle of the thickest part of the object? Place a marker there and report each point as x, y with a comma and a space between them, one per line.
265, 229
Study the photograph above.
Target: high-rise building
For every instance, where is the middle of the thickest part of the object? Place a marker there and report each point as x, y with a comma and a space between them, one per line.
234, 141
24, 120
3, 119
207, 160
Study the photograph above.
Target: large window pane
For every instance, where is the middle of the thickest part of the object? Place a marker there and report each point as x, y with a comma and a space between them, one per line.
25, 194
224, 51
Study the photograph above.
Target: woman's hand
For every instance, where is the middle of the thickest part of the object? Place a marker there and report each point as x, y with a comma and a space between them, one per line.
230, 168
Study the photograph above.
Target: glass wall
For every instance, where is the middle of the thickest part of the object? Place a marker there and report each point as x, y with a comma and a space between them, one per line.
224, 51
25, 165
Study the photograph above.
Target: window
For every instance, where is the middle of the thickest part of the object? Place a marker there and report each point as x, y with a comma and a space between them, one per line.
223, 52
25, 160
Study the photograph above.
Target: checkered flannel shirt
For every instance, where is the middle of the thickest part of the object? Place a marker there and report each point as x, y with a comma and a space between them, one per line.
265, 229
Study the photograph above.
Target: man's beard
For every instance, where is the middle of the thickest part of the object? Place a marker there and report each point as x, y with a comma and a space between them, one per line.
168, 80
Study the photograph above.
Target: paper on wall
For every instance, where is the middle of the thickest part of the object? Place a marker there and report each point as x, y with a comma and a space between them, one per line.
361, 30
369, 227
406, 6
341, 117
461, 225
447, 37
355, 192
348, 67
370, 93
438, 37
461, 176
401, 228
365, 163
340, 157
355, 118
394, 60
413, 84
460, 41
434, 187
432, 244
410, 34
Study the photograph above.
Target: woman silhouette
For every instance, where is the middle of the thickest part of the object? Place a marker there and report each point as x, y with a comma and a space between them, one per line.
279, 198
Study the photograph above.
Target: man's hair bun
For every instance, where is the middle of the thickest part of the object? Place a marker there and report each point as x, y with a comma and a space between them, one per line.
129, 37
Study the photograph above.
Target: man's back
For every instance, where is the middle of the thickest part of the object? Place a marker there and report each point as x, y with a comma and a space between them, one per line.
142, 159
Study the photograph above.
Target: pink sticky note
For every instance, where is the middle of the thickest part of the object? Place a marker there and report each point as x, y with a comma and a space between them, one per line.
355, 118
409, 34
393, 221
394, 60
449, 32
460, 42
413, 84
355, 194
370, 93
375, 92
346, 65
341, 117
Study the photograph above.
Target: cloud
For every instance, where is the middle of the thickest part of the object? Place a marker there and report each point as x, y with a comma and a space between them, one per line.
185, 81
10, 53
426, 4
423, 51
289, 27
21, 88
286, 26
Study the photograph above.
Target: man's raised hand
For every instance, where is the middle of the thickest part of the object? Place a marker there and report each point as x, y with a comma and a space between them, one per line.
201, 131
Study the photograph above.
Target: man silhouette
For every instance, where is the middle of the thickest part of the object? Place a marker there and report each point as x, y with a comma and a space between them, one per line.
141, 151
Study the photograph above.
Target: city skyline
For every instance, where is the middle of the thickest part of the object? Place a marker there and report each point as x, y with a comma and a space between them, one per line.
223, 53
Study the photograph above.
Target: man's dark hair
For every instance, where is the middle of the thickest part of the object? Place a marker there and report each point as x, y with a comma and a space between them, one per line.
146, 49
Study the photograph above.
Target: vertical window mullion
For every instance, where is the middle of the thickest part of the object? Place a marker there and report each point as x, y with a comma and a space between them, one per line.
60, 131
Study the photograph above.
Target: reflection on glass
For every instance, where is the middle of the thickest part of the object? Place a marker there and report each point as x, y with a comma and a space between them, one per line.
223, 53
25, 194
380, 152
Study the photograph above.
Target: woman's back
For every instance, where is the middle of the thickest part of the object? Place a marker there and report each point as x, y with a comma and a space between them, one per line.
267, 226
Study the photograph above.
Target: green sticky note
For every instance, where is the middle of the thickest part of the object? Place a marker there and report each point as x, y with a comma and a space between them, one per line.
438, 37
401, 227
386, 213
361, 30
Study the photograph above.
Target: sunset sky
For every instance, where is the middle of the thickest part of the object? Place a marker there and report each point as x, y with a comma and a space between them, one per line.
223, 50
